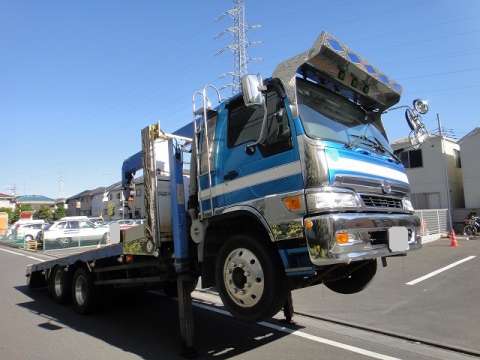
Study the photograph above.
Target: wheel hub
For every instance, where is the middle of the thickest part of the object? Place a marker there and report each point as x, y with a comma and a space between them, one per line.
243, 277
58, 283
80, 290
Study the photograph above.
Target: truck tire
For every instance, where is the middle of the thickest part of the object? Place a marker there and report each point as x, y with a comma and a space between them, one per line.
83, 292
250, 278
36, 280
356, 281
59, 285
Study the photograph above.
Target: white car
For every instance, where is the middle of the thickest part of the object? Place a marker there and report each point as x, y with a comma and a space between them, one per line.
29, 231
25, 229
70, 233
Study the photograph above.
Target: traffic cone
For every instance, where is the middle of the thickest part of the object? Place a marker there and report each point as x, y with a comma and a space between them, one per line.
453, 239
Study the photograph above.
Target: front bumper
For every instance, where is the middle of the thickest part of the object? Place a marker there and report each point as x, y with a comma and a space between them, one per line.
369, 229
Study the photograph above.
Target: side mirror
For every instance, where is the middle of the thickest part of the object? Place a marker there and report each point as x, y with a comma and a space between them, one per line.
252, 87
421, 106
419, 131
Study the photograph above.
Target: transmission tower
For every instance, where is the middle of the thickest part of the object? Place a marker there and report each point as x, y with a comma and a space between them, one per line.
240, 44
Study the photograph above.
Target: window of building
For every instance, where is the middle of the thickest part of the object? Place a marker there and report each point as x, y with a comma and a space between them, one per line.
118, 196
410, 158
458, 159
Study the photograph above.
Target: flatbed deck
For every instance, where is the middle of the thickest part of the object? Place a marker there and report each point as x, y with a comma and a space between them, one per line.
83, 256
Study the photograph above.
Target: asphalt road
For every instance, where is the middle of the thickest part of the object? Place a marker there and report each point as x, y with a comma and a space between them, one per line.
440, 309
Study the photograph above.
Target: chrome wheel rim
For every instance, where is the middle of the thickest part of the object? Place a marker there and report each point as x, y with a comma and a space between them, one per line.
80, 290
243, 277
58, 283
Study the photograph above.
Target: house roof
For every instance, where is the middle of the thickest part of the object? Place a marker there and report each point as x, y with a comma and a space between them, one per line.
30, 199
79, 195
398, 143
6, 196
474, 132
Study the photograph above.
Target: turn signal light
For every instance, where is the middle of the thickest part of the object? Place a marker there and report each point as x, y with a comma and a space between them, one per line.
308, 224
293, 203
341, 237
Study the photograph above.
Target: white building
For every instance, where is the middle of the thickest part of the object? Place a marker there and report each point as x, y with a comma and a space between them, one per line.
7, 201
97, 202
471, 171
434, 171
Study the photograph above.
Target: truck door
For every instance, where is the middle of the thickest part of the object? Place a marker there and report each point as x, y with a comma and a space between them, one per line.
269, 168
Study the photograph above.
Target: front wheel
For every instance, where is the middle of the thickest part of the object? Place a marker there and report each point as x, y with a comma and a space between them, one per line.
250, 278
353, 278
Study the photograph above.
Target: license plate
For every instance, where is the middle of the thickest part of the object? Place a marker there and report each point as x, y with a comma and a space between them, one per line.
398, 238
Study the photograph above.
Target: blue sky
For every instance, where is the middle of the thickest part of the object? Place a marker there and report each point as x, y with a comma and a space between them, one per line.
78, 80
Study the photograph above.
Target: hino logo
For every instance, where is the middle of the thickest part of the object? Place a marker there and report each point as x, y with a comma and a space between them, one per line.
386, 187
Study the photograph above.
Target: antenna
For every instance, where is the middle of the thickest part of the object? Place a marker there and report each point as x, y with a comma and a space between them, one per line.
239, 45
61, 184
12, 189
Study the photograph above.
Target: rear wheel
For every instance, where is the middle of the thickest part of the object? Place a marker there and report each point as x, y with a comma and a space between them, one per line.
83, 291
65, 242
469, 230
250, 278
59, 285
356, 277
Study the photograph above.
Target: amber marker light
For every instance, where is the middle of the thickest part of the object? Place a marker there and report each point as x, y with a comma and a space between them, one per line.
293, 203
341, 237
308, 224
128, 259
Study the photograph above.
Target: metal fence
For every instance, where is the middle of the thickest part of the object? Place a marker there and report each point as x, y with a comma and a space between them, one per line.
434, 221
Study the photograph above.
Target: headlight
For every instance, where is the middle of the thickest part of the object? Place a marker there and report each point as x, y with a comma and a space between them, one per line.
407, 205
329, 200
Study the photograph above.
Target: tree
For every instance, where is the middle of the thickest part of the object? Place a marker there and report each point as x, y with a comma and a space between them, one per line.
45, 213
110, 209
18, 210
59, 212
9, 213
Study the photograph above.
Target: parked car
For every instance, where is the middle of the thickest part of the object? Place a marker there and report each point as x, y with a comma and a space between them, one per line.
26, 228
97, 220
126, 223
69, 233
28, 232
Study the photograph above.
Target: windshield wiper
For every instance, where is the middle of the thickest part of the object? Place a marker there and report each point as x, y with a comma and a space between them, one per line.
376, 144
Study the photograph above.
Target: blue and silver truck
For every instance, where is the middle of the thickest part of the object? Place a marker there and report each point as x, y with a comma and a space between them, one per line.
288, 184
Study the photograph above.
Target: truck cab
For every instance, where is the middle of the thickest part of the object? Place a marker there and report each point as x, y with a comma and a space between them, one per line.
297, 183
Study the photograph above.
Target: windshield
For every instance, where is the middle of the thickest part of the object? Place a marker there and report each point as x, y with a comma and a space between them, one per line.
326, 115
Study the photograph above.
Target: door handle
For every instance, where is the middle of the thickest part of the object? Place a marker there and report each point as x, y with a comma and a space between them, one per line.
231, 175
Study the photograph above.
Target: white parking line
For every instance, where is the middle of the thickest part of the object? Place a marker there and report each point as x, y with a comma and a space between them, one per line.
21, 254
438, 271
302, 334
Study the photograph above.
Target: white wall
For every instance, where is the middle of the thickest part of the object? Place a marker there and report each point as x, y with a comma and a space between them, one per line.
430, 178
471, 170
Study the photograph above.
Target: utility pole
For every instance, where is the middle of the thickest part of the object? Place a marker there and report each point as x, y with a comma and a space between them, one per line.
240, 44
445, 173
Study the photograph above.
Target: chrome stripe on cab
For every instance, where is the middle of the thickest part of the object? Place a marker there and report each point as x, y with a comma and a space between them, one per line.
257, 178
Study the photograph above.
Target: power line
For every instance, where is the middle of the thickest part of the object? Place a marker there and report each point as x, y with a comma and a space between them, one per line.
440, 74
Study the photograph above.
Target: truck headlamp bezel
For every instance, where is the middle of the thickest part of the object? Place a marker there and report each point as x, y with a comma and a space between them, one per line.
407, 205
332, 199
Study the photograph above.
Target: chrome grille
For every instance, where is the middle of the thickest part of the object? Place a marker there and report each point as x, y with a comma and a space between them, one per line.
381, 202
